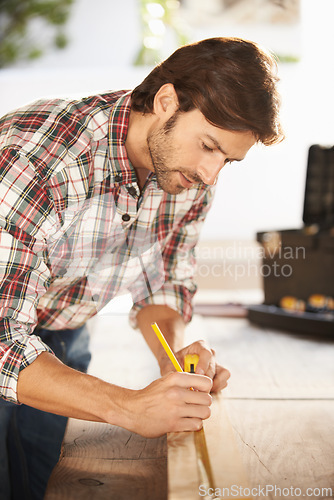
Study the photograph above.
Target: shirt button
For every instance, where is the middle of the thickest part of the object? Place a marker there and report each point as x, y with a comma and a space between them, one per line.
118, 178
62, 271
132, 191
126, 217
95, 298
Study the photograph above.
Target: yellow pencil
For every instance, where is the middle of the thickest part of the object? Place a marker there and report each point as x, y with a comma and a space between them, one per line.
165, 345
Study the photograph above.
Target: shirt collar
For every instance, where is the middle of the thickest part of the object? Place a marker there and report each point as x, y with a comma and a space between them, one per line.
121, 169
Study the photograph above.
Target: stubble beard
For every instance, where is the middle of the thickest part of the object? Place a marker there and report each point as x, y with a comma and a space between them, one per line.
162, 154
163, 158
159, 144
163, 175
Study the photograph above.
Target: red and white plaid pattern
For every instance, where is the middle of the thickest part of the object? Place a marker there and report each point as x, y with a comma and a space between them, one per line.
75, 229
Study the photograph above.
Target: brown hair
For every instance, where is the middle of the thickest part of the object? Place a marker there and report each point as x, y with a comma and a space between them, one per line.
230, 80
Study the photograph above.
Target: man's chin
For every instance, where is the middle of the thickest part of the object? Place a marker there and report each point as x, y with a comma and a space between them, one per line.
173, 189
170, 188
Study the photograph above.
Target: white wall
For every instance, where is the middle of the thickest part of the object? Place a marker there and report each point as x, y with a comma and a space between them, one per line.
266, 191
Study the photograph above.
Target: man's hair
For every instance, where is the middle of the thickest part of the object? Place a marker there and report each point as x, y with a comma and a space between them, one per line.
230, 80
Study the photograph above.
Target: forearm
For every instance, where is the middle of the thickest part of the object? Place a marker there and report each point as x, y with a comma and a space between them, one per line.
49, 385
166, 405
170, 323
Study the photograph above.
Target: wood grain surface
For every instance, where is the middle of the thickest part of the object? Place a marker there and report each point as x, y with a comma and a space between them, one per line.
105, 462
187, 479
288, 444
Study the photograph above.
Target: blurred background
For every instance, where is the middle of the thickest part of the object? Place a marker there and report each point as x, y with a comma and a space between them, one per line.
78, 47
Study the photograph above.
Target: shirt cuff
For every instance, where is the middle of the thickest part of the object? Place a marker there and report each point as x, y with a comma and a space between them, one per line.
177, 297
14, 356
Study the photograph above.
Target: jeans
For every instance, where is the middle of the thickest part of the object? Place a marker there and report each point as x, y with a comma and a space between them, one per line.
30, 439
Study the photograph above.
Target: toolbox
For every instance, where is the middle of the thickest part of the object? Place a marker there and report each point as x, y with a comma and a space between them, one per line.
298, 264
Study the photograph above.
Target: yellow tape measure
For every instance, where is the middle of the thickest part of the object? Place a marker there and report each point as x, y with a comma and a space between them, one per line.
190, 362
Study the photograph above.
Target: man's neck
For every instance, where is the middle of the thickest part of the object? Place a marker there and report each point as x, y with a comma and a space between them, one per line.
142, 174
136, 145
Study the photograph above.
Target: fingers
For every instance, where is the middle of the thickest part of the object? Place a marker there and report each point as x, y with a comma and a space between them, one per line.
207, 364
188, 425
197, 397
195, 411
191, 404
188, 380
220, 379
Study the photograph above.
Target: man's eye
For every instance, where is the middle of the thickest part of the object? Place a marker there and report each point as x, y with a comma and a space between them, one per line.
204, 146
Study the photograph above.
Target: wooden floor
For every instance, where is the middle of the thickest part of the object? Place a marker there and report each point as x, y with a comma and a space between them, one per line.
280, 402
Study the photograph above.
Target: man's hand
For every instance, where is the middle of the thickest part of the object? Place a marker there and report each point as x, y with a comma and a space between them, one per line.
168, 405
207, 364
172, 326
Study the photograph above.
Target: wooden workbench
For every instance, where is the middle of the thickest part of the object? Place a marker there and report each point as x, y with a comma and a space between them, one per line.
280, 402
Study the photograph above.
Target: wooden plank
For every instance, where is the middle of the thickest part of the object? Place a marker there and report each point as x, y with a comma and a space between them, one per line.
226, 461
275, 445
183, 480
101, 479
102, 461
98, 440
271, 364
282, 444
286, 443
186, 480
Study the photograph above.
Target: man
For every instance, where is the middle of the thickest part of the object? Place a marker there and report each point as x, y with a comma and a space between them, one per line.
107, 194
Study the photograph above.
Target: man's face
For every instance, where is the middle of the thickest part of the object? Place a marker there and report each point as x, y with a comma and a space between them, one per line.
188, 150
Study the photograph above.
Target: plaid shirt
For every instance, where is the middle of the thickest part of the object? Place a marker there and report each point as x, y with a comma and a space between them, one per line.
75, 230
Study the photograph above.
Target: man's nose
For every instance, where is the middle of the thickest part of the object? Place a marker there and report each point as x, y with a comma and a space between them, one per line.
209, 171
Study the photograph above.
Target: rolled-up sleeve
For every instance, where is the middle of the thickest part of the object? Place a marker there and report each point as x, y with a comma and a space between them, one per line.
24, 274
179, 262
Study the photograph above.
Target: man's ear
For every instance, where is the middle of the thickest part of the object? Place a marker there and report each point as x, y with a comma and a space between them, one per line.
165, 102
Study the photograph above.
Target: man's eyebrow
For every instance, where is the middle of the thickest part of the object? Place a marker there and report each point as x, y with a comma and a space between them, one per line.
218, 146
